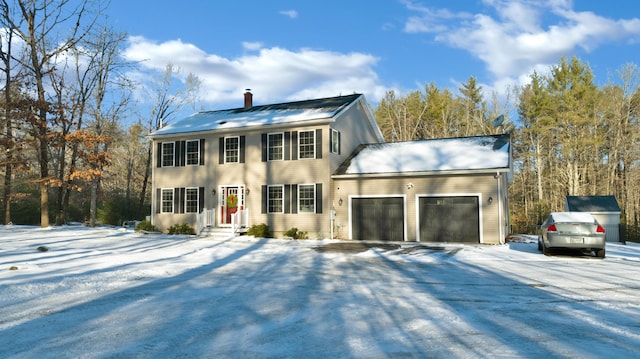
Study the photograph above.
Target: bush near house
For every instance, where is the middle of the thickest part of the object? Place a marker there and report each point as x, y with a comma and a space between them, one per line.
183, 228
295, 234
260, 231
146, 226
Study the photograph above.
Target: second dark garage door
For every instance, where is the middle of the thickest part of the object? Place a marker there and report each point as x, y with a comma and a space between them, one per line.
449, 219
377, 218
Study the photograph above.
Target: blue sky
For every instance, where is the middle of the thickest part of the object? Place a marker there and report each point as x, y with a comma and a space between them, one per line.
290, 50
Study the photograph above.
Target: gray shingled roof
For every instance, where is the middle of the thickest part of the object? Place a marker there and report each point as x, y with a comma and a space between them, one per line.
592, 204
260, 115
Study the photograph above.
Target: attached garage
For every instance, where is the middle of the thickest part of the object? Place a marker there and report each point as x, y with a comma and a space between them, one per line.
434, 191
377, 218
449, 219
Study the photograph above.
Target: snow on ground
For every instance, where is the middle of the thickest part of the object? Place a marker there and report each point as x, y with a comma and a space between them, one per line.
113, 293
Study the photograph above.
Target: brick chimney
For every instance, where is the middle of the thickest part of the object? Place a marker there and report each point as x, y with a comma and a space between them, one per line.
248, 99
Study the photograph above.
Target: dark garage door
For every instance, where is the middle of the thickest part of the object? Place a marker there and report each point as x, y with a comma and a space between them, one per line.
449, 219
380, 219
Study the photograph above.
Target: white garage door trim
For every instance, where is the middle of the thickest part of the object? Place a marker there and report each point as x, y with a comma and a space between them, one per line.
424, 195
404, 210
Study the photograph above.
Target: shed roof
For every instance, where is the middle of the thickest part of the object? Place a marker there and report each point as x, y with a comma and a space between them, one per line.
592, 204
288, 112
448, 154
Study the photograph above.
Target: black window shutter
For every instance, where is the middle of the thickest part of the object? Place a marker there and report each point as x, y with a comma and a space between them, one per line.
318, 197
319, 143
178, 200
176, 153
294, 198
159, 155
158, 199
181, 153
287, 198
200, 199
241, 149
287, 146
339, 143
201, 151
264, 146
221, 150
264, 199
294, 145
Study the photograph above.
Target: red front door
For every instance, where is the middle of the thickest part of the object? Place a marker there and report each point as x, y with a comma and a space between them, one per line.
231, 200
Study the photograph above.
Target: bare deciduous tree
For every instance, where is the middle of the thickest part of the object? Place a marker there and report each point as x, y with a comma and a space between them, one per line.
48, 29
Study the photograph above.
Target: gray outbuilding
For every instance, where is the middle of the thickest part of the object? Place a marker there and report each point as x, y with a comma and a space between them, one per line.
605, 209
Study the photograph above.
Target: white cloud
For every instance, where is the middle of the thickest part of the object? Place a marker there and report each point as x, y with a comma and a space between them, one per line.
290, 13
252, 45
521, 35
274, 74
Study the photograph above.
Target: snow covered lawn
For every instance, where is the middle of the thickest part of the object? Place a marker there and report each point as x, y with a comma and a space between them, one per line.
112, 293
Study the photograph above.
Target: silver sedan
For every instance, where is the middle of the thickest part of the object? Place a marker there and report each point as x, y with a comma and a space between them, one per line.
575, 230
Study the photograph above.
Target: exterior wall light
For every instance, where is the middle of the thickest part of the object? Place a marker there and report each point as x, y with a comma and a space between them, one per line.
340, 202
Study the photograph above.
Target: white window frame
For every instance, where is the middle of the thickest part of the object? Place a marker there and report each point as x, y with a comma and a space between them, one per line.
301, 145
226, 150
173, 154
312, 199
186, 199
269, 199
335, 141
171, 201
197, 153
281, 134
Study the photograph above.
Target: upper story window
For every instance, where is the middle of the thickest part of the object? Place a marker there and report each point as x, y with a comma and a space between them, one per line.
168, 154
167, 200
307, 198
335, 141
307, 144
275, 146
232, 149
193, 152
180, 153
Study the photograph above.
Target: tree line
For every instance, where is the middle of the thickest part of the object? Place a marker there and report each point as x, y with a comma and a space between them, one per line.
569, 136
74, 147
73, 139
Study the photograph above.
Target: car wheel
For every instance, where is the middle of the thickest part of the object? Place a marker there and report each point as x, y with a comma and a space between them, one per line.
546, 250
539, 244
600, 253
